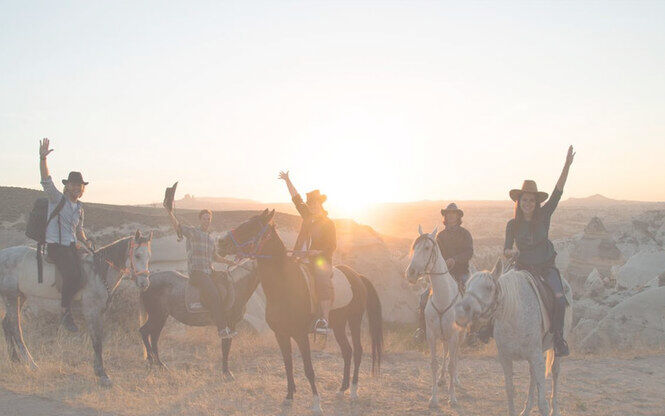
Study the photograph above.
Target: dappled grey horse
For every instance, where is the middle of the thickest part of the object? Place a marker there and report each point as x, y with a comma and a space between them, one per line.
512, 302
102, 272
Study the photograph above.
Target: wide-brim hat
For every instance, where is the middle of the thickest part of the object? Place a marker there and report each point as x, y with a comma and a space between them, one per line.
452, 207
74, 177
316, 196
531, 187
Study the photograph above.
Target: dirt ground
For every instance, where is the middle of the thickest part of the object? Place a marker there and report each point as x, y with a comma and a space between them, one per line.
618, 384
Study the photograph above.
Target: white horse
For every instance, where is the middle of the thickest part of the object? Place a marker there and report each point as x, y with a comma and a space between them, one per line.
519, 330
101, 273
439, 312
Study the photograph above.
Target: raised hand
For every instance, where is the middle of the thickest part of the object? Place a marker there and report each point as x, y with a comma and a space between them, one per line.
283, 175
570, 156
44, 148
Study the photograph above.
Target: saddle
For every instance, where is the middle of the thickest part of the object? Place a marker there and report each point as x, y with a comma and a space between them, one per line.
545, 298
342, 291
193, 296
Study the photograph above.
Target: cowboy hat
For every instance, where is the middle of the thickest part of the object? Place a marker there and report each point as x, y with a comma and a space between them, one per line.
452, 207
528, 186
75, 178
316, 195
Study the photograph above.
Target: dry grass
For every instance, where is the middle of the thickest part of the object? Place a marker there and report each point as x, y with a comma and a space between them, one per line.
194, 386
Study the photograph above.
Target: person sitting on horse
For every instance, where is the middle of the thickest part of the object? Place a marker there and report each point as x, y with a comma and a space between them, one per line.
65, 231
456, 245
529, 231
318, 235
201, 253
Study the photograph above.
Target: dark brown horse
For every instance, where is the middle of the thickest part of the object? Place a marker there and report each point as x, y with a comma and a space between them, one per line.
166, 296
288, 304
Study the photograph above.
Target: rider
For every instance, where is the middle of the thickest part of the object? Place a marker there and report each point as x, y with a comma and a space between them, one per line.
64, 231
529, 230
456, 245
200, 255
319, 236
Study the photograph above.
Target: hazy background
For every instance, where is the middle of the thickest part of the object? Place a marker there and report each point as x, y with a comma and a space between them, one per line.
369, 101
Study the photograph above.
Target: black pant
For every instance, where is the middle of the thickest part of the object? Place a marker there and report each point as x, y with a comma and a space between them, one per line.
68, 263
209, 296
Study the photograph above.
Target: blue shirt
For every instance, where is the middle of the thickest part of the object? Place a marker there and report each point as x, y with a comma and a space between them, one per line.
63, 227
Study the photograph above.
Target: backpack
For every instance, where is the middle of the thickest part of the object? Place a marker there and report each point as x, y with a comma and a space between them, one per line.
35, 228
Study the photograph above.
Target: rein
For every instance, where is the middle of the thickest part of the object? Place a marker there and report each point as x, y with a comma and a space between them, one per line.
488, 310
433, 258
255, 244
131, 270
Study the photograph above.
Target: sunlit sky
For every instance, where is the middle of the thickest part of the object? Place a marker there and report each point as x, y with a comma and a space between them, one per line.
368, 101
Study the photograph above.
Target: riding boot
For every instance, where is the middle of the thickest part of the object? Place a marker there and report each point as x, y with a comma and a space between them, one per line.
560, 345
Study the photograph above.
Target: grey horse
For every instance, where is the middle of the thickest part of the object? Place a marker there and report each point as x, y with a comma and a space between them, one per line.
519, 330
102, 272
166, 296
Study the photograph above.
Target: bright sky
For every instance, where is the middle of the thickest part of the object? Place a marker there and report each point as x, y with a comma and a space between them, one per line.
368, 101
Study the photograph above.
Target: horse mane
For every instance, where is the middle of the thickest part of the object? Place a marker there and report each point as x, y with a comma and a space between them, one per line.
116, 253
510, 284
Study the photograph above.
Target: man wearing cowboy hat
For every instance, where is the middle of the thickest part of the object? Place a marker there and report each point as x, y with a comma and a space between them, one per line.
456, 245
319, 237
64, 231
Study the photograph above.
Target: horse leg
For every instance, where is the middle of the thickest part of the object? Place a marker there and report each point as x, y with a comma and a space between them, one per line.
9, 337
226, 349
155, 332
339, 330
431, 339
452, 368
13, 313
531, 395
556, 367
538, 367
507, 365
445, 355
145, 336
458, 355
355, 323
284, 342
306, 353
93, 305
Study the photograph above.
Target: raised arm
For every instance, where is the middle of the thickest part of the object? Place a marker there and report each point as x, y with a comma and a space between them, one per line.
564, 173
285, 177
43, 152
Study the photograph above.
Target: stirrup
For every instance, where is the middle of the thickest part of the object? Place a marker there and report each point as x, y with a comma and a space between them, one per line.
321, 327
419, 335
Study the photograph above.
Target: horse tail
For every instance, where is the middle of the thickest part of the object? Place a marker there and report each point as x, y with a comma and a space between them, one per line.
549, 362
375, 324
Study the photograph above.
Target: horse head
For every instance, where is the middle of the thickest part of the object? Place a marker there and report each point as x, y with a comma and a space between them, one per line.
481, 296
138, 259
422, 254
245, 240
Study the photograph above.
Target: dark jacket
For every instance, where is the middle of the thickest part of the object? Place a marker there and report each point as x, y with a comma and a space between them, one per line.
532, 237
316, 233
455, 242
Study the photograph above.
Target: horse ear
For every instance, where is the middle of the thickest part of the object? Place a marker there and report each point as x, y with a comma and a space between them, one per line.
137, 236
271, 214
434, 232
498, 268
420, 229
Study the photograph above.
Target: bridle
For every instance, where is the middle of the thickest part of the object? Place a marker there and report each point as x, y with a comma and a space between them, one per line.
131, 270
487, 309
433, 258
250, 249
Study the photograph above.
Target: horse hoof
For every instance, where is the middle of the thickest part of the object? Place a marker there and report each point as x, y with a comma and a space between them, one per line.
105, 381
452, 401
340, 394
287, 403
228, 376
433, 403
316, 409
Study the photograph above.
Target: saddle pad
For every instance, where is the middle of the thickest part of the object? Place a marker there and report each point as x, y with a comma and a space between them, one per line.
542, 298
342, 293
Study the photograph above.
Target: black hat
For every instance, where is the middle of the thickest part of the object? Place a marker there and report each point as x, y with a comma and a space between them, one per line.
452, 207
316, 195
75, 178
